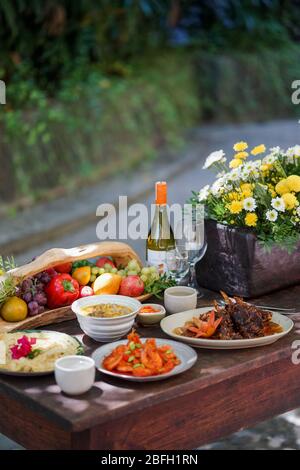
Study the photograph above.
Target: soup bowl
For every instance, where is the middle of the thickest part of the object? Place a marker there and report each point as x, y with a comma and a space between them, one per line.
109, 328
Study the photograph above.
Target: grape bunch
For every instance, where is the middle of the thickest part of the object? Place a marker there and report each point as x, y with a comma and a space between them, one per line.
147, 274
32, 291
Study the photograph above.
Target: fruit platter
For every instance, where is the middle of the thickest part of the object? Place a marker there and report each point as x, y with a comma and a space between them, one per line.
41, 292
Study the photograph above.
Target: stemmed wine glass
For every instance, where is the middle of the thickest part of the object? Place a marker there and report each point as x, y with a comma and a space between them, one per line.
191, 240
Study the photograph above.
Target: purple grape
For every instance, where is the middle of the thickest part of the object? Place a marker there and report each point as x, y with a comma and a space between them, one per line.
51, 272
33, 313
41, 309
27, 297
33, 305
40, 298
45, 278
27, 284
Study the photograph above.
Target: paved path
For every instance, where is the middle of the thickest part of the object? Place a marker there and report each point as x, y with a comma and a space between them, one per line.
281, 432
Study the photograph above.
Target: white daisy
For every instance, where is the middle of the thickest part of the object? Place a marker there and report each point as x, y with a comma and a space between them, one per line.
249, 204
278, 204
217, 186
276, 150
235, 174
298, 211
269, 159
203, 193
271, 215
214, 157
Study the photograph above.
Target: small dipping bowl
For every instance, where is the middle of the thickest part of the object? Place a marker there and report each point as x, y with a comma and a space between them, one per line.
75, 374
151, 318
180, 298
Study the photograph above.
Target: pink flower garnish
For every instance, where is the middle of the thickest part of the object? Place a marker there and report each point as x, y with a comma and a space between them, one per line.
23, 347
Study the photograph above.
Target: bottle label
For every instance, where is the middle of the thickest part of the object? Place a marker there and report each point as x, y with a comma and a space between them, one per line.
158, 259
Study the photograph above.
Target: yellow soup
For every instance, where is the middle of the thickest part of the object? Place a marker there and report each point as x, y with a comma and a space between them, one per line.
106, 310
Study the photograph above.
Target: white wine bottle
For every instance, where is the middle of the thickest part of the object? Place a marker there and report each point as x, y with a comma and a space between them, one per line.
161, 238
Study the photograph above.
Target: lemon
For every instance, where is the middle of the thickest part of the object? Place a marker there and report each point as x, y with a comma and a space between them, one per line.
14, 309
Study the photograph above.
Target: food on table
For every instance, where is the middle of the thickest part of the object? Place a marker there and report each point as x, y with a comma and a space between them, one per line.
107, 283
148, 309
236, 320
82, 275
141, 359
35, 351
161, 238
14, 309
60, 286
62, 290
132, 286
106, 310
101, 262
85, 291
64, 268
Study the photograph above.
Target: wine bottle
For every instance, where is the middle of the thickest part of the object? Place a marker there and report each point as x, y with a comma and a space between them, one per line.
161, 238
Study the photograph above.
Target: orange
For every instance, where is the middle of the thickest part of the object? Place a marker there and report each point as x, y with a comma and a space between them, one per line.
107, 283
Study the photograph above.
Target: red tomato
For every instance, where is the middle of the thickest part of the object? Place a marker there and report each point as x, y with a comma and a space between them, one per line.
64, 268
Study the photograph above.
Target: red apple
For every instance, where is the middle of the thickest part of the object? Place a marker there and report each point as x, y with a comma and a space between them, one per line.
132, 286
104, 260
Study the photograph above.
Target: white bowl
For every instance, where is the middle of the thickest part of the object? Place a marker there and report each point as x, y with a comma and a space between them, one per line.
75, 374
106, 329
147, 319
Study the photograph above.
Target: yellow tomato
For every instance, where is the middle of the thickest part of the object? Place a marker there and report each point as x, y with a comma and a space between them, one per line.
14, 309
82, 275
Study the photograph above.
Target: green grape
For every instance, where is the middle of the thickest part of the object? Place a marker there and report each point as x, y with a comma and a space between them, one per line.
108, 268
122, 272
153, 269
144, 278
133, 265
94, 270
145, 271
101, 271
114, 270
132, 273
93, 278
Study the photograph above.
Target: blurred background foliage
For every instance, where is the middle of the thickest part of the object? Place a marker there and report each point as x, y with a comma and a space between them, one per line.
125, 78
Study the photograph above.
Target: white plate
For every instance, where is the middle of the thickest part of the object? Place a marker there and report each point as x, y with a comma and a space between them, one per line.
78, 349
169, 323
187, 356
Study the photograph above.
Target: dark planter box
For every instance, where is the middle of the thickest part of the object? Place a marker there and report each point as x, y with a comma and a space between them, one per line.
236, 263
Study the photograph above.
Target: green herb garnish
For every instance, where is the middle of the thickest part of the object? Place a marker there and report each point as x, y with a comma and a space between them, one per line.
159, 285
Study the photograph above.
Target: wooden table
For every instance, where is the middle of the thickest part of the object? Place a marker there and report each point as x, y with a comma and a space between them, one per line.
224, 392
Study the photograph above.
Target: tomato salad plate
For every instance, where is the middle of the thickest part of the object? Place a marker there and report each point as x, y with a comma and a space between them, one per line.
144, 359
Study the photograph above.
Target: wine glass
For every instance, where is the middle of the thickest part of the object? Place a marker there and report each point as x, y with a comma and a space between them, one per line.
177, 264
192, 239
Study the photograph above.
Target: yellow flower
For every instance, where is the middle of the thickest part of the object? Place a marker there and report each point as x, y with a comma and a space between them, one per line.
235, 163
241, 155
290, 200
240, 146
293, 183
282, 187
265, 167
235, 207
233, 195
251, 219
258, 149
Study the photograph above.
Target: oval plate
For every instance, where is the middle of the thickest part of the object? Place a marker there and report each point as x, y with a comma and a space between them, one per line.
169, 323
187, 356
77, 343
